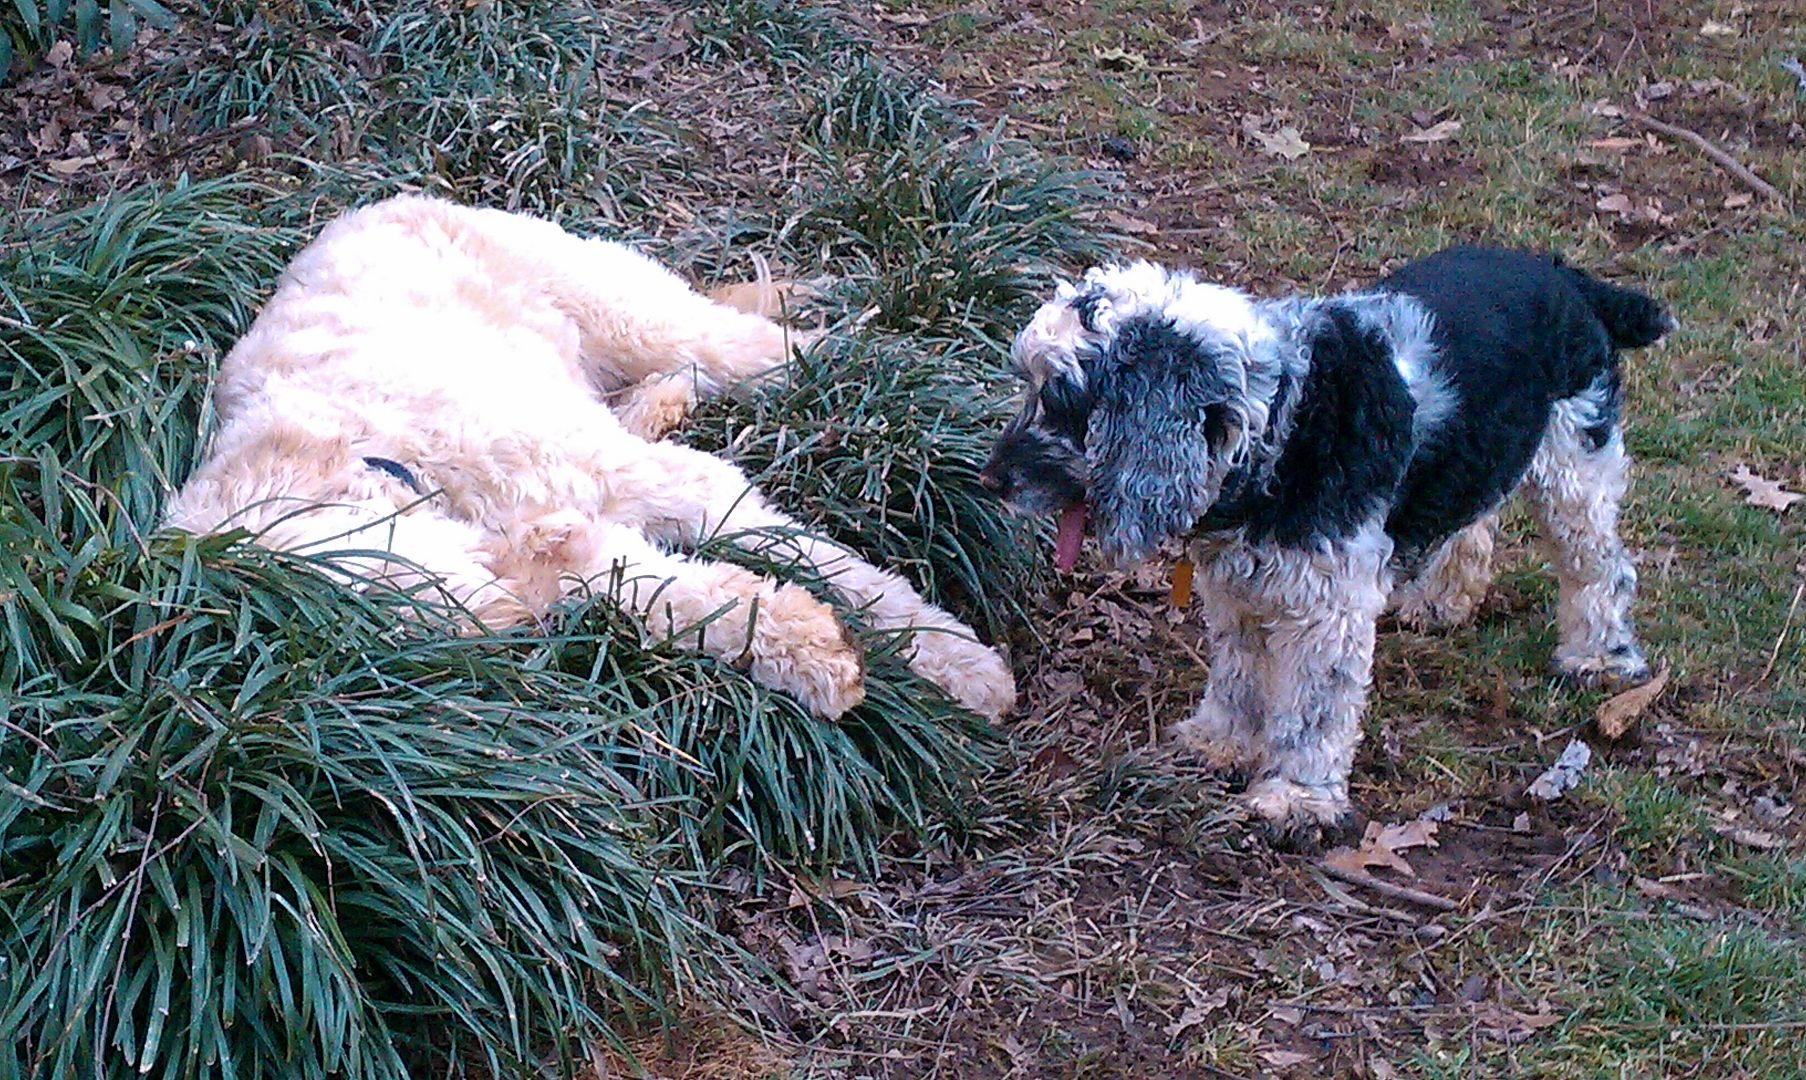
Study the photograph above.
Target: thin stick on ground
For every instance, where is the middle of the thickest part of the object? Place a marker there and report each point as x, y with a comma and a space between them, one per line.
1387, 888
1775, 653
1719, 157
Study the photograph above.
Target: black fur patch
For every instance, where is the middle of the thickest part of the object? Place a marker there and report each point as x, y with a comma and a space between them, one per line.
1066, 409
1515, 333
1347, 450
1085, 303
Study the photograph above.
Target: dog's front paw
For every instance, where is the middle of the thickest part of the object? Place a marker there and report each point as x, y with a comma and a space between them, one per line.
799, 647
656, 407
1622, 666
1212, 737
1299, 817
969, 673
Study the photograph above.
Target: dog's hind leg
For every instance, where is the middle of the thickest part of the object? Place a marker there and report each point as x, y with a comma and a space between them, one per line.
683, 496
1453, 582
1575, 485
1321, 611
635, 318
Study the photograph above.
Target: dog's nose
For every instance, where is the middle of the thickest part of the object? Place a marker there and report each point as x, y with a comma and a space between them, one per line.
991, 482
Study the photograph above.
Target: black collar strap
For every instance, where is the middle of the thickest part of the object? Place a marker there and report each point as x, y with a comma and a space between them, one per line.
398, 471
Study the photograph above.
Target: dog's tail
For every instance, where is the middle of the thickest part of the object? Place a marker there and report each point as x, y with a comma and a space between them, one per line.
1633, 319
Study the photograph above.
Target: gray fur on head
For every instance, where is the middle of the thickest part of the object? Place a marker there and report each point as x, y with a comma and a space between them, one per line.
1183, 394
1170, 416
1146, 389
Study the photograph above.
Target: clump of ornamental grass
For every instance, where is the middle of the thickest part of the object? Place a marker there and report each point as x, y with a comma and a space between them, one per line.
29, 28
257, 821
253, 821
877, 440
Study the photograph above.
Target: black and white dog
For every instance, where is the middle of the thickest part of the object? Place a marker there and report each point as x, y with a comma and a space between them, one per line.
1326, 458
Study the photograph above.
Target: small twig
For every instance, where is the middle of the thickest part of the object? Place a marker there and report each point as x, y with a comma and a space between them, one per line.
1719, 157
1775, 653
1387, 888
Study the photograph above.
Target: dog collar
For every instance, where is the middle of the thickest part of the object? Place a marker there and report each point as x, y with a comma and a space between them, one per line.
398, 471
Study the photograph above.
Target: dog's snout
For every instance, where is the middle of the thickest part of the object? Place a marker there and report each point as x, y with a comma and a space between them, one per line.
993, 482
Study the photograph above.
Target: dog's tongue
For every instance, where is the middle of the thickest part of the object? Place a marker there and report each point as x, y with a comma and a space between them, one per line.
1072, 535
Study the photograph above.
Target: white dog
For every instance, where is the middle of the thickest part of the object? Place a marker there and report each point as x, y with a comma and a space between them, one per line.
428, 390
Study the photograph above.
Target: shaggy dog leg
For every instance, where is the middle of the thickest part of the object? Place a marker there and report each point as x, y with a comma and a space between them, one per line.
1575, 484
654, 408
636, 321
778, 633
1225, 728
1320, 610
690, 496
1453, 582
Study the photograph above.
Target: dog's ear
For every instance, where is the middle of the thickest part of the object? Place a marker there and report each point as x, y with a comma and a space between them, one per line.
1162, 427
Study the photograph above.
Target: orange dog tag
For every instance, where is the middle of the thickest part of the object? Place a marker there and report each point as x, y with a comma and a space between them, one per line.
1181, 594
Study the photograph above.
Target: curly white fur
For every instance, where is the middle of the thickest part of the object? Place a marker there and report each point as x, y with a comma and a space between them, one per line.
1575, 490
1292, 636
479, 349
1453, 582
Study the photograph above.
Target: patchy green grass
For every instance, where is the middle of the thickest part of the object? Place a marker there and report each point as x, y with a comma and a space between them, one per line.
1648, 989
1674, 995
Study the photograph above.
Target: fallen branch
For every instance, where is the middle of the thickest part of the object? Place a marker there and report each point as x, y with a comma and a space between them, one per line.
1387, 888
1705, 146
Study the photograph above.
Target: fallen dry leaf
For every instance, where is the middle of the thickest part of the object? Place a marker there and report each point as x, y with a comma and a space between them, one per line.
1564, 775
1380, 1069
1129, 224
1198, 1011
1115, 59
1761, 839
1616, 203
1617, 713
1717, 29
901, 18
70, 166
1616, 144
1763, 492
1657, 889
1284, 1059
1435, 133
1285, 143
1381, 844
1738, 200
